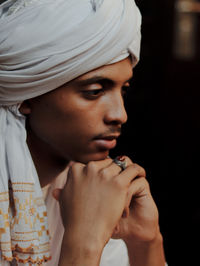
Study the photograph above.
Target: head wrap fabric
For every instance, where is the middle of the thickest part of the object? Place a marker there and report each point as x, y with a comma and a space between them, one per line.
50, 42
43, 45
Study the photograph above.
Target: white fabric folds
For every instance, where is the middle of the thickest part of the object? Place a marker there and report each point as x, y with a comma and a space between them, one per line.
44, 44
24, 231
50, 42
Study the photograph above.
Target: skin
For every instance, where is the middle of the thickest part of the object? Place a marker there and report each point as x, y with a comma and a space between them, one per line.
80, 121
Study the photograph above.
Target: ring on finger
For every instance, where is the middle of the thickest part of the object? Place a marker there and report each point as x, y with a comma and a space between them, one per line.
120, 161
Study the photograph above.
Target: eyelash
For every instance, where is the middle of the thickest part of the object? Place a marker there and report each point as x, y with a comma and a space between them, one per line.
94, 94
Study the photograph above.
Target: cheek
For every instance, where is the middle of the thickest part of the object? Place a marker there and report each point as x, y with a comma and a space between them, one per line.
61, 118
44, 120
55, 126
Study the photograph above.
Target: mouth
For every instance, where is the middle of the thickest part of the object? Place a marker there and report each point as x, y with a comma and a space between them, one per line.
106, 142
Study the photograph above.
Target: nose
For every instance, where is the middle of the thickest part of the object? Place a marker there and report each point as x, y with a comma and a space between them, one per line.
115, 111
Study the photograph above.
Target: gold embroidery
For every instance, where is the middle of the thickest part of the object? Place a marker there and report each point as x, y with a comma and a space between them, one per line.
27, 211
2, 231
4, 196
29, 259
32, 211
7, 224
5, 216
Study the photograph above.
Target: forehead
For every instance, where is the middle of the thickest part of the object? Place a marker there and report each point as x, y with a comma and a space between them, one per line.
119, 72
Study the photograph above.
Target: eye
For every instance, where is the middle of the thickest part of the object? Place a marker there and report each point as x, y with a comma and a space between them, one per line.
93, 94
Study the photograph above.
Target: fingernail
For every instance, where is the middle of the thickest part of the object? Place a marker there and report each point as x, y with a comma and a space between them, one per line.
120, 158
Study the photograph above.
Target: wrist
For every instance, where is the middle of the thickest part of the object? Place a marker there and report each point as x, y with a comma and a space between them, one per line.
157, 239
80, 252
146, 253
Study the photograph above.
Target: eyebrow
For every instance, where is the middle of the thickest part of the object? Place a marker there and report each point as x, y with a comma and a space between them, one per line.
97, 79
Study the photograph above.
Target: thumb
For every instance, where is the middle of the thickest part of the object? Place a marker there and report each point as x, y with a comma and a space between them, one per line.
56, 193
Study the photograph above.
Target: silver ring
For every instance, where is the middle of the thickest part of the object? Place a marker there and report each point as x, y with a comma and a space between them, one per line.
121, 163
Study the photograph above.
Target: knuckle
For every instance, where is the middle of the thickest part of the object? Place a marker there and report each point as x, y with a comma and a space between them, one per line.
104, 174
74, 167
142, 171
128, 160
139, 169
144, 183
109, 160
92, 166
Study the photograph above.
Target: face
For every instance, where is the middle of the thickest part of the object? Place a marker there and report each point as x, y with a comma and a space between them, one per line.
81, 120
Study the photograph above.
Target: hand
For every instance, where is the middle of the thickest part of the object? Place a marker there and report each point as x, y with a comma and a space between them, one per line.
93, 200
140, 220
92, 203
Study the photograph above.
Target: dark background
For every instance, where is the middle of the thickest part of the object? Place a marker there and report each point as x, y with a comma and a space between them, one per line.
162, 133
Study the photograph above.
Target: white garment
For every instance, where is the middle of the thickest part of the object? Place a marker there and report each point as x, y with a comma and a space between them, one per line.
114, 253
23, 216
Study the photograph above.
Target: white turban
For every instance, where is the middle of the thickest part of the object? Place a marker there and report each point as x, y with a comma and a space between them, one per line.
44, 44
51, 42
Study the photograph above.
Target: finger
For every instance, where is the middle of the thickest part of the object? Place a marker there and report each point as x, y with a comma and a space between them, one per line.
90, 169
135, 189
96, 166
138, 188
132, 172
113, 168
76, 167
126, 159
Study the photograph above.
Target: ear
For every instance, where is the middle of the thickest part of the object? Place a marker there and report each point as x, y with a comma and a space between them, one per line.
25, 108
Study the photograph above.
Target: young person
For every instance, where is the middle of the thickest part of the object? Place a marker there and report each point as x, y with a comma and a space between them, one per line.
65, 66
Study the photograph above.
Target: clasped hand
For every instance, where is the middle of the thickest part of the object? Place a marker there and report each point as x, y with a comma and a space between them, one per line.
99, 201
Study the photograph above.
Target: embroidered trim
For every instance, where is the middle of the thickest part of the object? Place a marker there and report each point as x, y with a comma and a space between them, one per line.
29, 259
20, 210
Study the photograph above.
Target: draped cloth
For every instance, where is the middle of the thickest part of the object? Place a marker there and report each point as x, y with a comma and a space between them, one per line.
43, 45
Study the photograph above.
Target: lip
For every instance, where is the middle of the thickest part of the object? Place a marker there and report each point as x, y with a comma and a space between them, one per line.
108, 136
106, 142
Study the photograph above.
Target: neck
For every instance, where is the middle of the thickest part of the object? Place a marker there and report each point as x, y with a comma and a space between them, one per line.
48, 164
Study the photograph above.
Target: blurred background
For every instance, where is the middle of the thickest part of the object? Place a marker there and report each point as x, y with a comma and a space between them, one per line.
162, 133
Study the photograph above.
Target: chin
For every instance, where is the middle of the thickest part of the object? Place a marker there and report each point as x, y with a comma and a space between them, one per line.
93, 157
